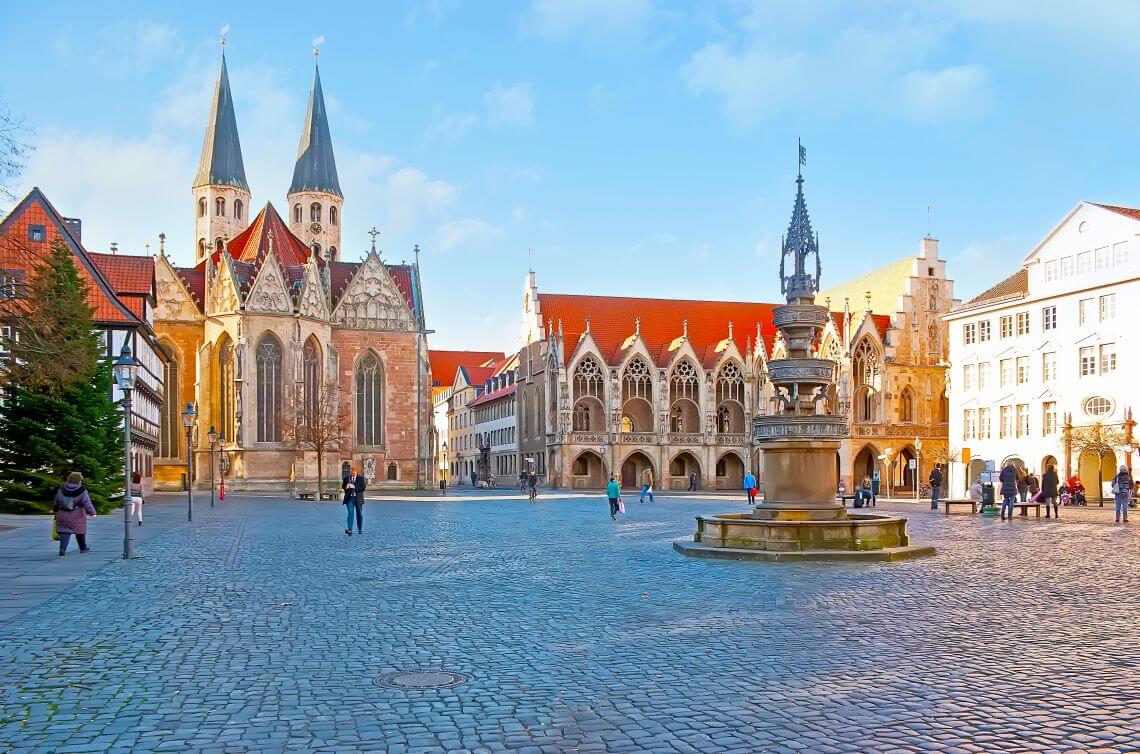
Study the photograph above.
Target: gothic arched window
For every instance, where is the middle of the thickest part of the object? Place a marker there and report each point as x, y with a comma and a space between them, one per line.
317, 250
684, 383
730, 384
311, 378
906, 405
332, 253
582, 417
238, 208
268, 389
867, 370
220, 207
370, 401
315, 212
224, 413
202, 207
588, 379
298, 213
201, 247
171, 438
332, 215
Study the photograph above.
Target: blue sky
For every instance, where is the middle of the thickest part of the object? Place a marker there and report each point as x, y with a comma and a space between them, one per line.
626, 147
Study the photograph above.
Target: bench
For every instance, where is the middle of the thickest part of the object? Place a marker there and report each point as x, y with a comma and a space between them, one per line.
312, 494
961, 501
1026, 506
845, 497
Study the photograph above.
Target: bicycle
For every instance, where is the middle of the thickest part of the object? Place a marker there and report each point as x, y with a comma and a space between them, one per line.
533, 494
924, 490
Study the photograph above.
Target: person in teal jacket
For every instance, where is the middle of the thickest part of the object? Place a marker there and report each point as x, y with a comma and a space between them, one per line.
750, 487
613, 492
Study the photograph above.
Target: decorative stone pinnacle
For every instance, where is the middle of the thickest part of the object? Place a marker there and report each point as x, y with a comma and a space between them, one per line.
587, 323
373, 233
685, 327
637, 325
162, 243
730, 331
867, 301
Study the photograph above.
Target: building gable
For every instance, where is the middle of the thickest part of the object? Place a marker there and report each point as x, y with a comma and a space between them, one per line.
314, 302
268, 293
372, 301
174, 301
224, 296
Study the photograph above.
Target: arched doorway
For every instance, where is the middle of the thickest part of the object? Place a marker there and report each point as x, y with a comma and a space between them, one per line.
904, 474
682, 465
975, 470
588, 471
1048, 461
729, 472
1017, 464
865, 461
631, 469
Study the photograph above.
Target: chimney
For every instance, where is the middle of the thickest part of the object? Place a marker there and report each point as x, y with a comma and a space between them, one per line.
74, 226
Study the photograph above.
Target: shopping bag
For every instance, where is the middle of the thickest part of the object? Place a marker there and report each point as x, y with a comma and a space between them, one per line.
621, 506
54, 531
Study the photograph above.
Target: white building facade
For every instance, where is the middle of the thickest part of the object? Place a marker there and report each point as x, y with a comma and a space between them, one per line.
496, 431
1050, 349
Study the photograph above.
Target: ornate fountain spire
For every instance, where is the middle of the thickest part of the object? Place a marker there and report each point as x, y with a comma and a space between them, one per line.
799, 242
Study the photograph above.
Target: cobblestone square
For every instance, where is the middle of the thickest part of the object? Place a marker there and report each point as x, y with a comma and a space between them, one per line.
262, 627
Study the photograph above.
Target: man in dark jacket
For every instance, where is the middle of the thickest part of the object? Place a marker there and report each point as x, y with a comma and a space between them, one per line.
354, 485
1008, 479
935, 486
1049, 493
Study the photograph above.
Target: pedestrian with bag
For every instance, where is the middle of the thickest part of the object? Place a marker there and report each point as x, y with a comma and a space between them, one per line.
750, 486
1008, 479
1122, 492
1023, 487
72, 506
613, 492
136, 503
693, 482
935, 486
354, 485
647, 484
1051, 491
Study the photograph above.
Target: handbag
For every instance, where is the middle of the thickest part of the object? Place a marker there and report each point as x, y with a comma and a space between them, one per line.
621, 506
54, 531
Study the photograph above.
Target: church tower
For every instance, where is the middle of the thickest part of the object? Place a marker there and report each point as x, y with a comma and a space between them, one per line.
314, 197
221, 193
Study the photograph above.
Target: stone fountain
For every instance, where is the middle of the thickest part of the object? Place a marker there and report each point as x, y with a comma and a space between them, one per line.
800, 517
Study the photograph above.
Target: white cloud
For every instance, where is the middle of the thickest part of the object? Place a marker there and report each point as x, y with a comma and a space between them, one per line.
122, 47
468, 233
594, 20
957, 92
453, 126
433, 10
510, 104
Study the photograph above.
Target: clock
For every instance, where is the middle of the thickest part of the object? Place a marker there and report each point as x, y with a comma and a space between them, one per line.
315, 227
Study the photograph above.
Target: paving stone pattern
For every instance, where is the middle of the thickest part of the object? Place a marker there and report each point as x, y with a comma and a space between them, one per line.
262, 627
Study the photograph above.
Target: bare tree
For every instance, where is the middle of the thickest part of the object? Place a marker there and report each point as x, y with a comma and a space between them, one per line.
13, 150
1100, 440
316, 422
946, 456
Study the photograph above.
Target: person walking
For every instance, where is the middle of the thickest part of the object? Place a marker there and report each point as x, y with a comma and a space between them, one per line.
1008, 479
1050, 491
354, 485
693, 482
1122, 492
647, 484
1023, 486
613, 492
1034, 485
136, 503
935, 486
532, 486
750, 486
72, 506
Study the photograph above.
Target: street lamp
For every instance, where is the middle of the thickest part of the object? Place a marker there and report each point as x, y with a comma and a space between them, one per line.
212, 435
189, 415
917, 463
126, 369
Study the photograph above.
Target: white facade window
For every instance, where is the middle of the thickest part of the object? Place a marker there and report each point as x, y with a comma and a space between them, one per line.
1066, 267
1023, 323
1049, 318
1085, 309
1022, 370
1006, 372
1120, 254
1005, 428
1103, 258
969, 372
969, 334
1107, 307
1088, 361
1023, 420
1097, 406
983, 375
1048, 366
969, 425
983, 331
1084, 262
983, 424
1049, 418
1052, 271
1107, 358
1006, 326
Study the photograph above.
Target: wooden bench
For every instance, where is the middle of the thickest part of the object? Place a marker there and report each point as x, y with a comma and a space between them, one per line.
1026, 506
947, 502
845, 497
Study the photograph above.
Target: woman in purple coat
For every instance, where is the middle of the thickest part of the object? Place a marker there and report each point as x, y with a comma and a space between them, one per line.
72, 506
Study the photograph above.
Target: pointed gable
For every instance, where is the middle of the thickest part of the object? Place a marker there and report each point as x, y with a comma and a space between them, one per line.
174, 299
313, 300
225, 293
316, 167
268, 293
221, 162
372, 301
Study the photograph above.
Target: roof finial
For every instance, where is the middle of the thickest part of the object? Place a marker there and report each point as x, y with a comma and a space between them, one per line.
685, 328
269, 239
637, 325
549, 326
317, 42
114, 247
846, 305
587, 323
730, 331
560, 327
375, 233
162, 244
416, 251
867, 301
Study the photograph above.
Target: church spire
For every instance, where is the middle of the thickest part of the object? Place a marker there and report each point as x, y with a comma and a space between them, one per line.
316, 166
799, 243
221, 163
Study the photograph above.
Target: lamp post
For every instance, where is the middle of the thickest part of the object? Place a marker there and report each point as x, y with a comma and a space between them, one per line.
188, 417
223, 467
212, 435
126, 369
917, 463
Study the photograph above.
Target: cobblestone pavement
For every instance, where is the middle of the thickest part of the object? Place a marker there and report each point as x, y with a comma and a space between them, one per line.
262, 627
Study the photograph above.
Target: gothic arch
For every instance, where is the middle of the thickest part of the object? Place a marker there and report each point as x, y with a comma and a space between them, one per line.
730, 398
312, 376
224, 393
730, 468
867, 374
908, 406
685, 397
269, 358
369, 382
171, 431
589, 389
637, 396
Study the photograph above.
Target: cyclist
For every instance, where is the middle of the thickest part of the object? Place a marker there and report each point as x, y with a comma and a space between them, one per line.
532, 483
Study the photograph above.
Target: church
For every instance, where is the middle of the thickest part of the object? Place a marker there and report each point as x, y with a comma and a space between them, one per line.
278, 341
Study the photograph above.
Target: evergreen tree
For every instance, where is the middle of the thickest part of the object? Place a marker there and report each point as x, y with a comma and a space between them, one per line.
57, 415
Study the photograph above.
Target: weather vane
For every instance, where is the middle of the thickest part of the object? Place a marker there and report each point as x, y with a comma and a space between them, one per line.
317, 42
225, 31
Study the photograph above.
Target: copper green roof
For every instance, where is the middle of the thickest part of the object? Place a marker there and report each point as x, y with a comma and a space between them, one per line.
316, 166
221, 162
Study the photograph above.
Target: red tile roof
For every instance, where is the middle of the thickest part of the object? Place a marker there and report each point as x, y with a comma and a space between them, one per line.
445, 363
1126, 211
476, 376
252, 244
1016, 284
126, 274
194, 278
402, 277
612, 322
494, 395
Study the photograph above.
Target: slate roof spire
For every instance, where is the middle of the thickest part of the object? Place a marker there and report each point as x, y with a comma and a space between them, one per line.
316, 166
221, 162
